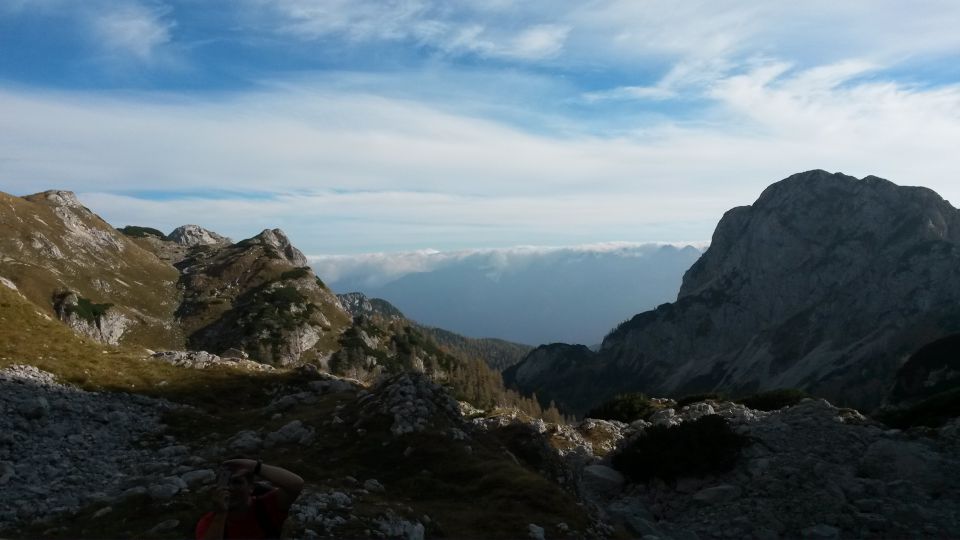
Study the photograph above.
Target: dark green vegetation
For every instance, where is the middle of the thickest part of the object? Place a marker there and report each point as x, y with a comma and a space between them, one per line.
87, 309
134, 231
932, 370
497, 353
774, 399
697, 398
374, 345
692, 449
931, 412
296, 273
625, 408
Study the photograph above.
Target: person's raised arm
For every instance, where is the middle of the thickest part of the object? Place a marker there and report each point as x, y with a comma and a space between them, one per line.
290, 484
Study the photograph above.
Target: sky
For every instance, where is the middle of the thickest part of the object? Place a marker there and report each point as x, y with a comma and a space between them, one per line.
405, 125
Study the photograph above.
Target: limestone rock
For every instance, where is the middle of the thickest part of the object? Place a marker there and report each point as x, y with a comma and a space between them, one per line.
602, 480
194, 235
823, 277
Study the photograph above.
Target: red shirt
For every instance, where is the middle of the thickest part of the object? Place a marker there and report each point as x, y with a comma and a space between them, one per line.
244, 524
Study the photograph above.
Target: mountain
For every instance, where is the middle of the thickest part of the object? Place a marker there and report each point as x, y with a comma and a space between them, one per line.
533, 296
497, 353
192, 288
108, 440
67, 260
826, 283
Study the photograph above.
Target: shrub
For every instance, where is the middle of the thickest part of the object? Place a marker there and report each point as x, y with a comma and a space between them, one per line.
87, 310
696, 398
698, 448
285, 295
774, 399
625, 408
931, 412
296, 273
141, 232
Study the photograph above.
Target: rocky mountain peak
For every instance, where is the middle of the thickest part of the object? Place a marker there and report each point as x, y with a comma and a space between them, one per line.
278, 239
57, 197
195, 235
826, 282
816, 217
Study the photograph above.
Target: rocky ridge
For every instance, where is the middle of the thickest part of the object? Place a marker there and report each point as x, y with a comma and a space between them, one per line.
497, 353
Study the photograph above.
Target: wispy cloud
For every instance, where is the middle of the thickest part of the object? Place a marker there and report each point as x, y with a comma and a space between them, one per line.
464, 28
132, 30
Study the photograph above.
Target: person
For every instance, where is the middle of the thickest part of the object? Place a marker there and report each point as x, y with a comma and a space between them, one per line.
239, 512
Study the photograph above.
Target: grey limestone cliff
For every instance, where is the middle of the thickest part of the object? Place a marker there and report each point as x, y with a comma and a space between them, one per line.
826, 283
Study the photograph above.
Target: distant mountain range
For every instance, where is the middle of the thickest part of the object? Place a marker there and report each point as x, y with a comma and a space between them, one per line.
525, 295
826, 283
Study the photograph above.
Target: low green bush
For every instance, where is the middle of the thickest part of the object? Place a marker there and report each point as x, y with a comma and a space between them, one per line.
141, 232
931, 412
692, 449
774, 399
87, 310
696, 398
296, 273
624, 408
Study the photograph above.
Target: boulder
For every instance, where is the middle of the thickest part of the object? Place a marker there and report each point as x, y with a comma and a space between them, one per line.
602, 480
717, 494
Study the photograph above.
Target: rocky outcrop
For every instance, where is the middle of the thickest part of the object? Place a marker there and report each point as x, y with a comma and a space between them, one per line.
255, 296
276, 239
195, 235
826, 283
359, 305
204, 360
97, 321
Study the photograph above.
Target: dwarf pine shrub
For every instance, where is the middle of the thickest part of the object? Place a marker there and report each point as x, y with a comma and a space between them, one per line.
704, 446
624, 408
774, 399
696, 398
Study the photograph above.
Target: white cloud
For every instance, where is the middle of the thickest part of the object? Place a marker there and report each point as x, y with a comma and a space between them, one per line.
376, 269
122, 31
540, 41
132, 30
375, 173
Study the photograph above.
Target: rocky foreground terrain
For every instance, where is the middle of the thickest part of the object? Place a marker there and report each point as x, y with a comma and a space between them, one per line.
403, 459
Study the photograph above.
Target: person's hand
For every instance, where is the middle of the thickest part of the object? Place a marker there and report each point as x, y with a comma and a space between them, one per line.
221, 498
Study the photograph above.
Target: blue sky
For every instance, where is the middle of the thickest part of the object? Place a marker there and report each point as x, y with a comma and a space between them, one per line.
388, 126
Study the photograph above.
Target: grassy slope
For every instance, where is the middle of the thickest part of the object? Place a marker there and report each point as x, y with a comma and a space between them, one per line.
150, 284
